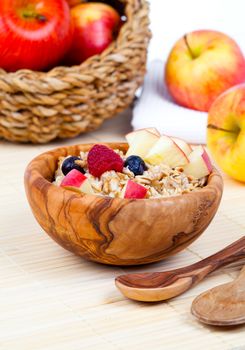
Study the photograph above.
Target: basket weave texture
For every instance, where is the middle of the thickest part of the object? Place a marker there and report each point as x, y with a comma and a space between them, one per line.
38, 107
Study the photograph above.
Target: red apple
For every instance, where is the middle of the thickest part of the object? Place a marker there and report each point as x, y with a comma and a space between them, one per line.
34, 34
134, 190
95, 27
77, 181
118, 5
202, 65
73, 3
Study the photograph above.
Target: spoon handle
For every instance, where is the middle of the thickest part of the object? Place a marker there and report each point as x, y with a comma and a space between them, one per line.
233, 252
158, 286
202, 268
226, 256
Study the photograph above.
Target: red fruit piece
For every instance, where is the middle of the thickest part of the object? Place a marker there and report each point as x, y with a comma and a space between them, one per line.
102, 159
74, 178
134, 190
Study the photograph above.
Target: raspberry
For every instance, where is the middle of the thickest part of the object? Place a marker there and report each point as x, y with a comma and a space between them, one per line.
102, 159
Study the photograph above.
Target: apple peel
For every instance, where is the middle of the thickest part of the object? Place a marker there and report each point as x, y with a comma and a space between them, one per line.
131, 135
77, 181
200, 164
186, 148
133, 190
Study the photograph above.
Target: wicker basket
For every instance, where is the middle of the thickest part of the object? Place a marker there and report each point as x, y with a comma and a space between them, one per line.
38, 107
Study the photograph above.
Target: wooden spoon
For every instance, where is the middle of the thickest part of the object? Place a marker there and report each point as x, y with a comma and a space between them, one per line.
223, 305
159, 286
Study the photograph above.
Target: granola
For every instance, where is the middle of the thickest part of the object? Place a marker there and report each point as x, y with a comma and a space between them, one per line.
159, 180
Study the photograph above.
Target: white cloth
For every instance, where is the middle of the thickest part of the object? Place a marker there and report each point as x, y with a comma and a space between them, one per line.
155, 108
169, 21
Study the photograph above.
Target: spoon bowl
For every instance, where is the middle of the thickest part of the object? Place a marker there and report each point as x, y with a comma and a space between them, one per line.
223, 305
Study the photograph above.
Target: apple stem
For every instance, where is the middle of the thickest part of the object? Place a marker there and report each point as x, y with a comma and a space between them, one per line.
189, 49
211, 126
39, 17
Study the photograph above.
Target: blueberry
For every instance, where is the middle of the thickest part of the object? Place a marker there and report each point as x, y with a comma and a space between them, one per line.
135, 164
69, 164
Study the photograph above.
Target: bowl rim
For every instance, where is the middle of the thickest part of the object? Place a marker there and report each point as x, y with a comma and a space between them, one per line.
213, 178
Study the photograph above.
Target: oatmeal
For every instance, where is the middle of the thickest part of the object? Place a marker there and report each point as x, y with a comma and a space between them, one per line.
154, 166
159, 180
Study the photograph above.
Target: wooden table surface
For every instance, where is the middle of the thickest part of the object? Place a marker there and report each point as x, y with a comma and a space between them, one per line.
53, 300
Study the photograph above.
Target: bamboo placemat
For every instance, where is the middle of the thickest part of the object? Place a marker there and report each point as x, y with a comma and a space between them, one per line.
53, 300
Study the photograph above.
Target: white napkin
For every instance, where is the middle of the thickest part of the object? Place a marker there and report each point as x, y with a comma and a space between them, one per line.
155, 108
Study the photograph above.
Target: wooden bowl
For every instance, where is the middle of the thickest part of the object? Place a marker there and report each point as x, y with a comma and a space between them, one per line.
113, 230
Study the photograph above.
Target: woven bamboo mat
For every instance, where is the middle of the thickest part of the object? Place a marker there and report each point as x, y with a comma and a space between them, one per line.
53, 300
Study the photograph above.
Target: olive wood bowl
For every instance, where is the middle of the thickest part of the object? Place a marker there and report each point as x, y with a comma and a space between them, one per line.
113, 230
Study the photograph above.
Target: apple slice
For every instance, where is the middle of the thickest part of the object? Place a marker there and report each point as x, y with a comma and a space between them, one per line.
140, 141
165, 150
133, 190
199, 165
77, 181
183, 145
154, 131
130, 136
